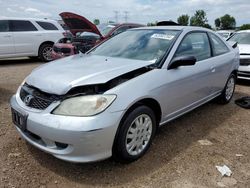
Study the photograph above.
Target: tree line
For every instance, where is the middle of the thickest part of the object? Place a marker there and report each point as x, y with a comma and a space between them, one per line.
226, 22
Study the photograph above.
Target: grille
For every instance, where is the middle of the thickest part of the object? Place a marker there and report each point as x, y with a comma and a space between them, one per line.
244, 62
61, 50
34, 98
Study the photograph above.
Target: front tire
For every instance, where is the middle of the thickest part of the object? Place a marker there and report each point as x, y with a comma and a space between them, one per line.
228, 91
45, 52
135, 135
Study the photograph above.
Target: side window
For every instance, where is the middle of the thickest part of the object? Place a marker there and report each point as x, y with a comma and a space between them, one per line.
20, 25
47, 25
196, 44
219, 47
4, 25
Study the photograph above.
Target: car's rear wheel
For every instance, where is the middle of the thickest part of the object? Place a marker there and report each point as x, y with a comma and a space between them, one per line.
228, 91
135, 134
45, 52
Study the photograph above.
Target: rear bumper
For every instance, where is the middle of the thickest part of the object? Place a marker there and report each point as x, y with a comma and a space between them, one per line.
74, 139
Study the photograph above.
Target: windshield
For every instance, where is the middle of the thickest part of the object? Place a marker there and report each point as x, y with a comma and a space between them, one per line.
105, 29
148, 45
241, 38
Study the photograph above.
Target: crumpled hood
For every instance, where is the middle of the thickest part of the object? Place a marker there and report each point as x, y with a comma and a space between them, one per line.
60, 76
244, 48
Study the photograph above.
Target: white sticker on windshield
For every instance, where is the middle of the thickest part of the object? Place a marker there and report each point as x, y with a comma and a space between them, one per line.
162, 36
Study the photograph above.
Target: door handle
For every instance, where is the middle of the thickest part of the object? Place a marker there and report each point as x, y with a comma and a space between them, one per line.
39, 35
212, 69
7, 36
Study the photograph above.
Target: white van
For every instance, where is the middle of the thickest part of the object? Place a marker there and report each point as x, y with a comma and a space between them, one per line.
28, 37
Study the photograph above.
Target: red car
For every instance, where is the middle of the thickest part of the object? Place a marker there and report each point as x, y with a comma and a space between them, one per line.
85, 34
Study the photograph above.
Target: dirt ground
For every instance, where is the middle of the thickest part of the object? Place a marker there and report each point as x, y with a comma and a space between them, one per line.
177, 158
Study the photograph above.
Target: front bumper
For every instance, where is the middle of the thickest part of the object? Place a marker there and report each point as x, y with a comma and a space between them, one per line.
56, 56
244, 68
74, 139
244, 72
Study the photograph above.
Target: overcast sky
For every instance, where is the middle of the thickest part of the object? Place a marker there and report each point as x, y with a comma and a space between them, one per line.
142, 11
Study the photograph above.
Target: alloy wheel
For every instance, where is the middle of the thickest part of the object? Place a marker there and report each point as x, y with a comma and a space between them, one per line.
139, 134
230, 88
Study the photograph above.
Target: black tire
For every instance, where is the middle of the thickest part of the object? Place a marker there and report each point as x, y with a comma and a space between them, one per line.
120, 152
223, 99
42, 49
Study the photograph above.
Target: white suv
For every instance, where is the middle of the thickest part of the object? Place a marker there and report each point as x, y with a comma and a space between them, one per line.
28, 37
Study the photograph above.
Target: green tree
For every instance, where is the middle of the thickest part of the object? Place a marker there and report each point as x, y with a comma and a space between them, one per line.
207, 26
227, 22
199, 19
245, 26
183, 20
96, 21
152, 23
217, 22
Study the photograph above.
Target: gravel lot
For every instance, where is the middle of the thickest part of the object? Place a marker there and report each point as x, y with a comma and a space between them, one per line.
176, 159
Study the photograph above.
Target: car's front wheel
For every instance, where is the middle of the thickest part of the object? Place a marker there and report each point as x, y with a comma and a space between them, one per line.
228, 91
135, 134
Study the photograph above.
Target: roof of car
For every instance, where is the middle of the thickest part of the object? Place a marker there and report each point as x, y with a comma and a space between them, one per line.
33, 19
175, 28
244, 31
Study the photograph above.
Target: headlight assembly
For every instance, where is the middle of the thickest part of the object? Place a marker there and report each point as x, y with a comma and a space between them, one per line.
84, 105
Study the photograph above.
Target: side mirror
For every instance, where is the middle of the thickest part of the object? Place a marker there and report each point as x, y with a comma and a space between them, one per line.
182, 61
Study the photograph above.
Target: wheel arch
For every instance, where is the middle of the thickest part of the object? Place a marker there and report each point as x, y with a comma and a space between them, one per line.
149, 102
235, 72
46, 42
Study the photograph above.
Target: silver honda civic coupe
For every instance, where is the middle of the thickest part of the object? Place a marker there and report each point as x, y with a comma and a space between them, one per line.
110, 101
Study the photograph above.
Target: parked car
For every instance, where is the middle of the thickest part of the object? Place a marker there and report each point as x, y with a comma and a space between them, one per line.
225, 33
243, 40
85, 34
28, 37
110, 101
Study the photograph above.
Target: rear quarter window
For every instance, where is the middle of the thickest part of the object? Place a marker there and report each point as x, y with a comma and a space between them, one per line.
21, 25
218, 46
47, 26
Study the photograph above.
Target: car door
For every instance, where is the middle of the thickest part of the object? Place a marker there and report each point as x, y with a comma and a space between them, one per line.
222, 62
6, 38
25, 35
189, 86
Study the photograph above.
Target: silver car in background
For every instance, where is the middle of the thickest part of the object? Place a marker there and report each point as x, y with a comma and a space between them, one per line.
243, 40
111, 101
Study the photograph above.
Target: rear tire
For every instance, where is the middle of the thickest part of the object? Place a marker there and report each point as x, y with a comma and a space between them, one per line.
228, 91
135, 135
45, 52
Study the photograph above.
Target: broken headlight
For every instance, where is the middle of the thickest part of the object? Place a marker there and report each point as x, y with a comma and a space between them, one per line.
84, 105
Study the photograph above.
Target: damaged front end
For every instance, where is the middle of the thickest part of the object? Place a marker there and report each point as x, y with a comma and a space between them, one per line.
40, 100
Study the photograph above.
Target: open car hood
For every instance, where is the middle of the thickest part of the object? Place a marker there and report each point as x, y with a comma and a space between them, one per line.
77, 23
